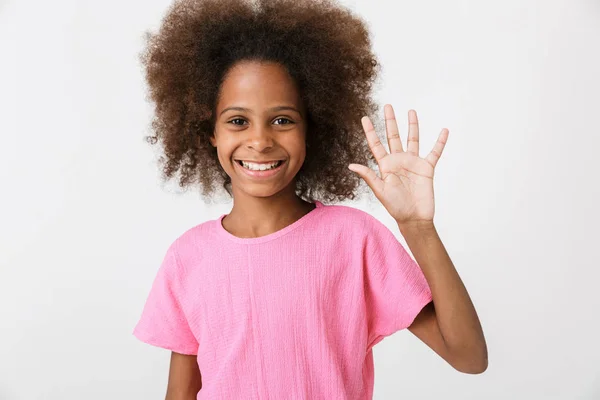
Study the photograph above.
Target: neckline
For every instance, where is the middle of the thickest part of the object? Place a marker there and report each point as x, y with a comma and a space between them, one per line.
270, 236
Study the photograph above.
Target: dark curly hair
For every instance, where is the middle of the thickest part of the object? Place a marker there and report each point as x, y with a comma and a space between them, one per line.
326, 50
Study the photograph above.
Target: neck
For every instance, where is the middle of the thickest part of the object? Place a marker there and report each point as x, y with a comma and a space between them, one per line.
259, 216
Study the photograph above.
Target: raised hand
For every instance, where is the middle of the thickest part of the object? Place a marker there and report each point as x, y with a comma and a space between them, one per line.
405, 182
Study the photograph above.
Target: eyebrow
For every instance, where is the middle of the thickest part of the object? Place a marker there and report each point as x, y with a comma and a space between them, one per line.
278, 108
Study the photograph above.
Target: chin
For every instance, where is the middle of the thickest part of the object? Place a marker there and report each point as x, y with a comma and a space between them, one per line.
262, 192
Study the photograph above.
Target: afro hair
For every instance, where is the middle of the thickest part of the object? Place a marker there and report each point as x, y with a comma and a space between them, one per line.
325, 48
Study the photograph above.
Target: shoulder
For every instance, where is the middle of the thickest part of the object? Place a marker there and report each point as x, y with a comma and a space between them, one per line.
352, 219
197, 236
191, 246
343, 211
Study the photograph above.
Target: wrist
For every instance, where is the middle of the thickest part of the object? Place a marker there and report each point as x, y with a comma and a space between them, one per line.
419, 226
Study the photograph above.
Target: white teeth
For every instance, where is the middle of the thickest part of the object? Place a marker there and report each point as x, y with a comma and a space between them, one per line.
259, 167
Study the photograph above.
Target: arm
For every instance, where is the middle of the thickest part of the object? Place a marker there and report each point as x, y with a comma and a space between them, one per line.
450, 325
185, 380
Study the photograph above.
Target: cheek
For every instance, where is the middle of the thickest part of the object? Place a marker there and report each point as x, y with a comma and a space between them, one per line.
297, 144
224, 148
224, 156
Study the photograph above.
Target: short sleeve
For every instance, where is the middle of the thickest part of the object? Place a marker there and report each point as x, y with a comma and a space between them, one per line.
395, 288
163, 322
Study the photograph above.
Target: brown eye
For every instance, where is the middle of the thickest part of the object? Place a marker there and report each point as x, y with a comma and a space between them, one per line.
233, 121
284, 119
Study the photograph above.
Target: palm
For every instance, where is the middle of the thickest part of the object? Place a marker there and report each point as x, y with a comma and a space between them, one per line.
405, 182
407, 188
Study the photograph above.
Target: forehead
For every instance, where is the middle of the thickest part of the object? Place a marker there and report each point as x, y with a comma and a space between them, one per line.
256, 84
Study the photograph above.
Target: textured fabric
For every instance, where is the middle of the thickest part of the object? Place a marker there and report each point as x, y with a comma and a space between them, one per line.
290, 315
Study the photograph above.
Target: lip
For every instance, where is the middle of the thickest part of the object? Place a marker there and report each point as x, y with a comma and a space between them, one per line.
258, 162
260, 174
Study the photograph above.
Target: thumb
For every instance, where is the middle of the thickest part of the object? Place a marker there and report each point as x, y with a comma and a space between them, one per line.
368, 175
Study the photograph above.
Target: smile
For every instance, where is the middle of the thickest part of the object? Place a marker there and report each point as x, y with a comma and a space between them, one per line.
260, 166
260, 169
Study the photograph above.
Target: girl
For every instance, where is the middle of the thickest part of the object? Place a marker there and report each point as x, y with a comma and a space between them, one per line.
285, 296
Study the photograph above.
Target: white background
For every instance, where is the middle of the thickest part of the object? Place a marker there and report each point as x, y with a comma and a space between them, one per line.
84, 220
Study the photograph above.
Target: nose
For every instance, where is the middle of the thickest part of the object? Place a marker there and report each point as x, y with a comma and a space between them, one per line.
260, 139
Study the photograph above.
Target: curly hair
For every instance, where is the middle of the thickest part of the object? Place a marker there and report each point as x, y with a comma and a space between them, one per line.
325, 48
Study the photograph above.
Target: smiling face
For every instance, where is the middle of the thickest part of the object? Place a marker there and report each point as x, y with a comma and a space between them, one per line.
260, 129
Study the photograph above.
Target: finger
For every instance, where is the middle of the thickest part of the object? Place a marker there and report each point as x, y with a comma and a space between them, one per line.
435, 154
374, 143
368, 175
413, 133
391, 128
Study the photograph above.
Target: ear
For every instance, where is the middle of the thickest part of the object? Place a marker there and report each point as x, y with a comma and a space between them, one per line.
213, 140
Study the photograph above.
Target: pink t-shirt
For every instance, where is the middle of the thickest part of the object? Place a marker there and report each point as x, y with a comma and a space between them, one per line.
290, 315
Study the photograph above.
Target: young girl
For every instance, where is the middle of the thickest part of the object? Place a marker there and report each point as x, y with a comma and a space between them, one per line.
285, 296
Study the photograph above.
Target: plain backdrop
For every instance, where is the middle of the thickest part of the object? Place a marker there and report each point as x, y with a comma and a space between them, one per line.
85, 221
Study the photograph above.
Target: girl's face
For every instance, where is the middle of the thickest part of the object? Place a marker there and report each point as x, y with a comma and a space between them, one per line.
260, 129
